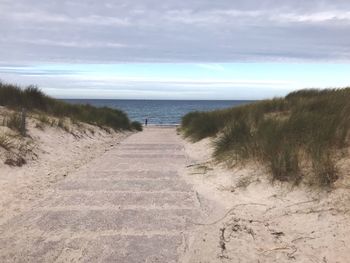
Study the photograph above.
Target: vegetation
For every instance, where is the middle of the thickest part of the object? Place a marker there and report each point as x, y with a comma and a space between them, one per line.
13, 121
136, 126
33, 99
5, 142
303, 131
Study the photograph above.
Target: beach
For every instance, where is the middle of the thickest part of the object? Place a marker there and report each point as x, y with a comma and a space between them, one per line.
175, 131
155, 197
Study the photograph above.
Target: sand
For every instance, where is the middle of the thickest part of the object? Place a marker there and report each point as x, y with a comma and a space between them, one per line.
54, 155
155, 197
251, 219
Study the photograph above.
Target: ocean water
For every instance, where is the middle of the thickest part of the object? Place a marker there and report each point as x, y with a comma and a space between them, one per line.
160, 112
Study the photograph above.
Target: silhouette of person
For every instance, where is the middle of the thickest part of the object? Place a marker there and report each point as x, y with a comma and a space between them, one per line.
146, 122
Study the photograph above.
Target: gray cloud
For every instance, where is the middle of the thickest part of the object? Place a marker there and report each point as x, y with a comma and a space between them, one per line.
109, 31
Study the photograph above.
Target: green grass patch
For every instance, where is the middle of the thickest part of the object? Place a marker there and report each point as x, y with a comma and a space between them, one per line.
280, 133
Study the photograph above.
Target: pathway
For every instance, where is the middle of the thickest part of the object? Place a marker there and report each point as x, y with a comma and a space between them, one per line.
128, 205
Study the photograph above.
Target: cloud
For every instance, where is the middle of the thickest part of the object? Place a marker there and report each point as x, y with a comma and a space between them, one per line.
327, 16
196, 31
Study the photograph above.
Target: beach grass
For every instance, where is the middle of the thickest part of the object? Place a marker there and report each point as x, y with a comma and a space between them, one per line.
305, 129
5, 142
33, 99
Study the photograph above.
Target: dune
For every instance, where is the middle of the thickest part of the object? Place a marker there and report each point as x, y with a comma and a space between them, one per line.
189, 207
251, 219
50, 153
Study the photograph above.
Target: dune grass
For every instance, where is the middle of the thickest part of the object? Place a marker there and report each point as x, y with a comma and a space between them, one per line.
33, 99
13, 121
5, 142
304, 129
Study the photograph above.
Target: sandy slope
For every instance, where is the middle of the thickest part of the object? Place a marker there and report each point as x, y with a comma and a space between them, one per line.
252, 220
54, 155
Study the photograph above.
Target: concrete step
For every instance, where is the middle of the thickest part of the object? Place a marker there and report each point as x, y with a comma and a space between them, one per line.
59, 199
148, 156
111, 163
116, 174
111, 248
125, 185
157, 146
47, 223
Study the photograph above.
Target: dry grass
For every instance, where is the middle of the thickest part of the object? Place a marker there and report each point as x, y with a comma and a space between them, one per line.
5, 142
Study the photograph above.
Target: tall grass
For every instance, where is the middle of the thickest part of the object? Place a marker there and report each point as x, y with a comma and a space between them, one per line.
33, 99
305, 126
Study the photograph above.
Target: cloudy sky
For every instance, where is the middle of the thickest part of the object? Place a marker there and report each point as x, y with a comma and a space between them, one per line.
202, 49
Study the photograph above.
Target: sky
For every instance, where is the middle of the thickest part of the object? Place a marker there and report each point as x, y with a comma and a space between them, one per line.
173, 49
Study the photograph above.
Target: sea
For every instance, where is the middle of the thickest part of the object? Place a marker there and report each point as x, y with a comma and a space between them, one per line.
160, 112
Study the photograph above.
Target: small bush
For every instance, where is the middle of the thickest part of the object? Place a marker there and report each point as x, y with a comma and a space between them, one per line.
137, 126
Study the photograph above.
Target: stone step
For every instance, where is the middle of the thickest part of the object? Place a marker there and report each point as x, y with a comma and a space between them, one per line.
83, 221
151, 146
110, 248
119, 199
134, 249
129, 174
144, 149
125, 185
148, 156
136, 165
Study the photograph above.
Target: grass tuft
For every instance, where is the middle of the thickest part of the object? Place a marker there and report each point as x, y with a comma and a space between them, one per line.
14, 122
5, 142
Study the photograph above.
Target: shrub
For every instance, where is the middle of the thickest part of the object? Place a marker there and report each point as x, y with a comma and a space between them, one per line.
137, 126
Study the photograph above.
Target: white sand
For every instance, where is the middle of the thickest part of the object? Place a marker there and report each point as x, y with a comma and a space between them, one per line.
252, 220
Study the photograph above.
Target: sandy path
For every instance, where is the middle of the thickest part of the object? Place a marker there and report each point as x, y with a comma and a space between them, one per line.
128, 205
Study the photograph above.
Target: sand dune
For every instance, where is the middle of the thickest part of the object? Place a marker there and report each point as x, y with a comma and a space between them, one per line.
155, 197
252, 220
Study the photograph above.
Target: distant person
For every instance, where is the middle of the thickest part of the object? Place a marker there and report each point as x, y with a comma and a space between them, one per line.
146, 122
